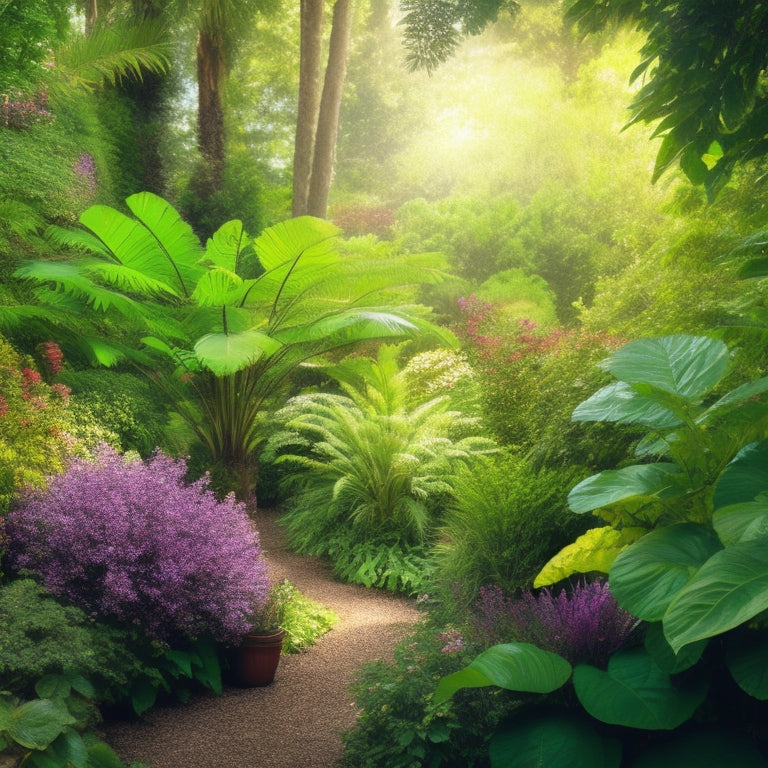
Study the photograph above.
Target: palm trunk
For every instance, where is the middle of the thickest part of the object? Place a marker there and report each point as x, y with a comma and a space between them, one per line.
309, 101
210, 116
330, 105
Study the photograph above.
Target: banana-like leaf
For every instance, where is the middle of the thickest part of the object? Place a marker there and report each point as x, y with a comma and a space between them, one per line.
684, 365
223, 249
728, 590
636, 693
217, 287
660, 650
745, 478
661, 480
298, 238
514, 666
622, 403
742, 522
594, 550
226, 353
648, 574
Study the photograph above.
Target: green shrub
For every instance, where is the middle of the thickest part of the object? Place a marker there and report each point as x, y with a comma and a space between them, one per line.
505, 521
305, 620
123, 404
41, 637
398, 726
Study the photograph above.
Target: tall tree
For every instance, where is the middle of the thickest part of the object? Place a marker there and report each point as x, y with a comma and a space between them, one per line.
330, 105
317, 127
309, 101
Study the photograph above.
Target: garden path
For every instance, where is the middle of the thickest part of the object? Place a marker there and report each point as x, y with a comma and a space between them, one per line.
297, 721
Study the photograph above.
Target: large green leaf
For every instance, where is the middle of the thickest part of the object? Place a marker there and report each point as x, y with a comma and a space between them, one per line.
223, 249
742, 522
683, 365
594, 550
648, 574
68, 749
635, 692
177, 248
710, 748
217, 287
735, 398
614, 485
514, 666
729, 589
620, 402
661, 651
747, 659
348, 326
555, 741
745, 478
35, 724
226, 353
304, 236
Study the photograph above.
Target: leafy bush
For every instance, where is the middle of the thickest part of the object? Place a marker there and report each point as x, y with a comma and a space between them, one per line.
130, 541
42, 637
531, 379
398, 726
506, 519
365, 463
122, 403
35, 425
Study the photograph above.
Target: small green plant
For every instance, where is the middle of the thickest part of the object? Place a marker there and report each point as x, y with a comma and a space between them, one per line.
399, 726
304, 621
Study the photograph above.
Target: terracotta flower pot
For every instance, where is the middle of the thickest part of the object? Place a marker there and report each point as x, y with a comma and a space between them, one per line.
254, 662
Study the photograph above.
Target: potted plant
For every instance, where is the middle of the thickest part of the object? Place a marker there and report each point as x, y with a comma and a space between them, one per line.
254, 662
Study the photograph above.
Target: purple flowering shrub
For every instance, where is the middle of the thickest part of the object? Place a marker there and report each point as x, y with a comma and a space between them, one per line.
585, 626
133, 542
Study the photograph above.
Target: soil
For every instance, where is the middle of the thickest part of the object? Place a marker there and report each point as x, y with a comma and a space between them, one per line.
297, 721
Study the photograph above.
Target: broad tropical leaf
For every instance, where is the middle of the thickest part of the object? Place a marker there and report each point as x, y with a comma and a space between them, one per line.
683, 365
225, 353
745, 478
594, 550
729, 589
747, 659
742, 522
224, 248
297, 238
620, 402
557, 741
657, 481
636, 693
647, 575
514, 666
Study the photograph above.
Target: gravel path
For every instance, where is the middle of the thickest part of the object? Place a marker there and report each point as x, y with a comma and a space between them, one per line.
296, 722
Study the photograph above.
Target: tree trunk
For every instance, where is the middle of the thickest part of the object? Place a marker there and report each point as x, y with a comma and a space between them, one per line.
309, 100
91, 15
330, 104
210, 116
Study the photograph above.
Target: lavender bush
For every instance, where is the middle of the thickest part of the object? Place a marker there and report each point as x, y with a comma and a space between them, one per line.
132, 542
586, 625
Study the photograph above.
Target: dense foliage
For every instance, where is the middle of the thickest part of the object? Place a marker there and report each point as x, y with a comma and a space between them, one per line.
132, 542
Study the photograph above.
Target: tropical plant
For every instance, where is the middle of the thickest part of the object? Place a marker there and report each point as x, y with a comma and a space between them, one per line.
684, 553
666, 385
132, 542
363, 458
225, 343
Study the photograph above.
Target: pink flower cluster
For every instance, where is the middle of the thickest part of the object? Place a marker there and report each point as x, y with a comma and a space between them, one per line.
23, 114
134, 543
52, 356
